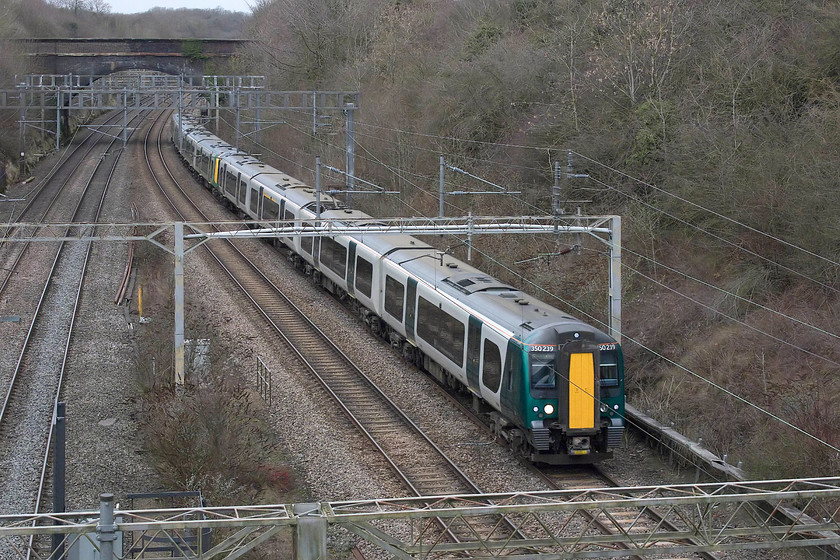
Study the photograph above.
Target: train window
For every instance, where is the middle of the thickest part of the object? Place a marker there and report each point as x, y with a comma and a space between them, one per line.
334, 256
609, 369
491, 373
306, 242
288, 216
473, 345
394, 297
243, 190
513, 367
230, 185
364, 276
441, 330
543, 374
271, 210
255, 202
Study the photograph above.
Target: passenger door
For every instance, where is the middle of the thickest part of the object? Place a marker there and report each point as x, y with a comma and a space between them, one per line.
410, 309
473, 354
351, 269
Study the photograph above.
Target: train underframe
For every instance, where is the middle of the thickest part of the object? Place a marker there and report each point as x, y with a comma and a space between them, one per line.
555, 446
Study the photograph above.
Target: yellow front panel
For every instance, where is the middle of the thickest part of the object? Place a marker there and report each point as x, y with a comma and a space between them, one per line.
216, 172
581, 391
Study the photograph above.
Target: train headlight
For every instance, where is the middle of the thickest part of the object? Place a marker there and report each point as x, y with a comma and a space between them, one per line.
604, 409
548, 409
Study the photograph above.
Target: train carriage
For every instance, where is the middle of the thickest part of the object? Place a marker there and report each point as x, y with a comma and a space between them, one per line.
552, 386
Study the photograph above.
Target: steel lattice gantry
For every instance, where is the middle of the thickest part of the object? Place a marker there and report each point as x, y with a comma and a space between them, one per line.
110, 97
163, 92
607, 229
757, 515
143, 92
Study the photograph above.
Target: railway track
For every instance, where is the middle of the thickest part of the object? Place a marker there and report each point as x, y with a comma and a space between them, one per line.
390, 431
34, 386
40, 205
617, 521
416, 460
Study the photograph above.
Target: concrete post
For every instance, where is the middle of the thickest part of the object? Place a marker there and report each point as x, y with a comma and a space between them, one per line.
216, 105
125, 117
311, 533
179, 304
350, 151
314, 113
469, 236
58, 120
181, 115
106, 529
318, 187
440, 189
238, 104
22, 139
615, 278
257, 122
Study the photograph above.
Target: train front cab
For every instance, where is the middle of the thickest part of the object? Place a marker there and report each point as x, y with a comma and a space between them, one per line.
571, 397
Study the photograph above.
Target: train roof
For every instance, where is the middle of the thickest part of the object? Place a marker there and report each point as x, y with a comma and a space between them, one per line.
387, 244
528, 318
278, 180
305, 197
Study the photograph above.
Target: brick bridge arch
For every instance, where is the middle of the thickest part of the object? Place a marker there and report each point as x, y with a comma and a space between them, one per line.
100, 57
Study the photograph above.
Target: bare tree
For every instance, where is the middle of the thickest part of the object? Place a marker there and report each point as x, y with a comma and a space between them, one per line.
100, 6
96, 6
638, 42
74, 5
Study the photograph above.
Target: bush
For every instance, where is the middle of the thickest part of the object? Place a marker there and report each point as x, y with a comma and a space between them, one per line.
485, 36
213, 439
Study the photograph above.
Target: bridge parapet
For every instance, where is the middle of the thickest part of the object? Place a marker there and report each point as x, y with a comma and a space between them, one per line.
137, 81
209, 47
106, 56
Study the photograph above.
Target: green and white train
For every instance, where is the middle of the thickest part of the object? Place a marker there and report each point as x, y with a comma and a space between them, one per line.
553, 386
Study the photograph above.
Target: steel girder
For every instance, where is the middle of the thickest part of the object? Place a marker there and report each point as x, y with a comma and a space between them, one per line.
703, 517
